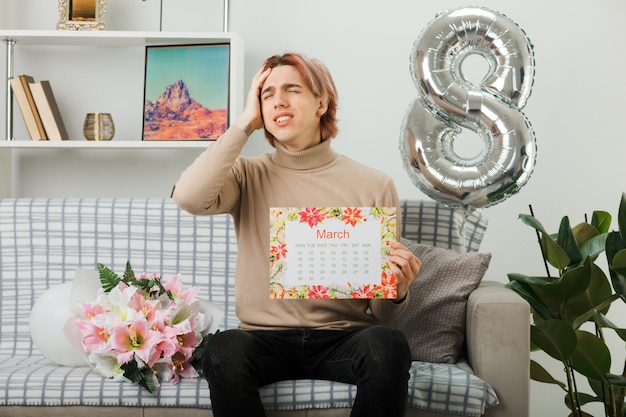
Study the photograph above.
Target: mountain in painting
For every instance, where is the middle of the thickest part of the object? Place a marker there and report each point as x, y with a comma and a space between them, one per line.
176, 115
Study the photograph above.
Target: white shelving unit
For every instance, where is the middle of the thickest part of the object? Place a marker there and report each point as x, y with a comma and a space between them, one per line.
89, 68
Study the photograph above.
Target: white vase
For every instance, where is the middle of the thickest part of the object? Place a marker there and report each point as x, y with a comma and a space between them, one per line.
48, 319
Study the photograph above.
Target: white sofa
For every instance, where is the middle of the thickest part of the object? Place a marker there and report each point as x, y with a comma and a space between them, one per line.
44, 241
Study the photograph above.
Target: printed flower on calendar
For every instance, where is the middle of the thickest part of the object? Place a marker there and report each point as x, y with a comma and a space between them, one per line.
313, 216
389, 283
327, 267
353, 216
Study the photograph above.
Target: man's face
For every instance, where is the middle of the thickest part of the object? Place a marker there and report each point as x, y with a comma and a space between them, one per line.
290, 110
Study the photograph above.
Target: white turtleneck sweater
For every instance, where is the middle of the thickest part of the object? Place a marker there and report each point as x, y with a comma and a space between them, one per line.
221, 181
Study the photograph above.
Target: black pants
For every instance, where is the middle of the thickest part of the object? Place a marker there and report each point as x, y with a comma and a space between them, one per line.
376, 359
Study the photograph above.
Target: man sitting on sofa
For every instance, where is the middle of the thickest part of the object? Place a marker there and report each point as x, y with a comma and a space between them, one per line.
294, 99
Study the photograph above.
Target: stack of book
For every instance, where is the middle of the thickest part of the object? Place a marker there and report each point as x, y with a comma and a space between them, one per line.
39, 108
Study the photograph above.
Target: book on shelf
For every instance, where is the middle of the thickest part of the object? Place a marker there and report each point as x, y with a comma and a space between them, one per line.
49, 110
28, 108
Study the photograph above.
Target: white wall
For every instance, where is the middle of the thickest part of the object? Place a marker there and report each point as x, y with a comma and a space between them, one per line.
576, 107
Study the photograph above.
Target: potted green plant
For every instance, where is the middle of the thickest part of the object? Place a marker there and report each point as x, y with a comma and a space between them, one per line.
570, 308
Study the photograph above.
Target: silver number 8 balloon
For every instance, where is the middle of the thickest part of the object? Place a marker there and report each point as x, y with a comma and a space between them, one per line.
448, 102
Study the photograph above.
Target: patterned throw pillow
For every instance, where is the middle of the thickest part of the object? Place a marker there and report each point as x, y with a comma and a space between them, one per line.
434, 321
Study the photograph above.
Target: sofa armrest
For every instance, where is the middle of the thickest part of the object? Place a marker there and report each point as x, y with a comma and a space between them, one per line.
498, 346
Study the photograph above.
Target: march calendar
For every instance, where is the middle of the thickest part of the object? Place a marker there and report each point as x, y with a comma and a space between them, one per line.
331, 252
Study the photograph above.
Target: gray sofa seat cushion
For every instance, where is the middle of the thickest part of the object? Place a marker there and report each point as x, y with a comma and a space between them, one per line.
34, 380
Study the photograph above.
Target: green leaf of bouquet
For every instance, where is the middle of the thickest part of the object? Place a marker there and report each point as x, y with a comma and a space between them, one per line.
108, 278
143, 376
156, 282
539, 373
198, 353
591, 357
555, 337
143, 283
129, 274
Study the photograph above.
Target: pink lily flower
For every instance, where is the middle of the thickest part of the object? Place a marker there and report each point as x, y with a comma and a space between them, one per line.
92, 310
94, 338
134, 340
187, 344
176, 288
180, 367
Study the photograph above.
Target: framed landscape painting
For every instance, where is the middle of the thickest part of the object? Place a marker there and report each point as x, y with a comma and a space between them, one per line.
186, 92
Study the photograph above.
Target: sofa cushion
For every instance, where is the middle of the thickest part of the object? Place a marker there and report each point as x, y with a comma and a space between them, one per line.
444, 227
434, 321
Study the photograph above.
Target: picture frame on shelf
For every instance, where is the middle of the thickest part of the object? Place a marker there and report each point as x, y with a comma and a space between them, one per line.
81, 15
186, 92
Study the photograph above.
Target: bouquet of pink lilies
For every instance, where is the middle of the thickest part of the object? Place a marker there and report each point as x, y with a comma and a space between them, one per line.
143, 330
